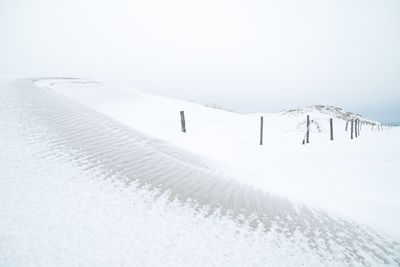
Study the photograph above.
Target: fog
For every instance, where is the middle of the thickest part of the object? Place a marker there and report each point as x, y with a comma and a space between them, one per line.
242, 55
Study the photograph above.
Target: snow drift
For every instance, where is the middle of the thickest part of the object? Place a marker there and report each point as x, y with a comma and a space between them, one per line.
42, 124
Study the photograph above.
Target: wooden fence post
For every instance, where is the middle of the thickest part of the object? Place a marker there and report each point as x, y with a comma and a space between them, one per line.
308, 129
355, 128
183, 124
331, 124
352, 124
261, 130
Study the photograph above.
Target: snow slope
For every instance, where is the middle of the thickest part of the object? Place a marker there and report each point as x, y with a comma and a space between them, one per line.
80, 188
356, 179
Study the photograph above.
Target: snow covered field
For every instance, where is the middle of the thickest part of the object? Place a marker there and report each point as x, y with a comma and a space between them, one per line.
115, 182
356, 178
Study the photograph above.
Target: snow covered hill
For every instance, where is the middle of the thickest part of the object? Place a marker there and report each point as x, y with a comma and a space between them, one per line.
98, 174
333, 112
316, 174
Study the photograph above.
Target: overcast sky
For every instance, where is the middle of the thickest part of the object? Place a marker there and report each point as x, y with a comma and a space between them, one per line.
245, 55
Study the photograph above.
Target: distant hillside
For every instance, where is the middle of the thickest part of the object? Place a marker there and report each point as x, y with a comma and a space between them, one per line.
330, 111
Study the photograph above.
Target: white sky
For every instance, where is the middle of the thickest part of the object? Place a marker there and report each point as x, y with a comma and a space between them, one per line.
254, 55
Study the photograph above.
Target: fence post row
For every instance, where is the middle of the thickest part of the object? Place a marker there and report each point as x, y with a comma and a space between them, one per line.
355, 127
183, 124
261, 130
